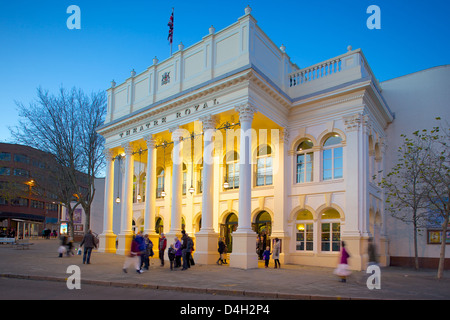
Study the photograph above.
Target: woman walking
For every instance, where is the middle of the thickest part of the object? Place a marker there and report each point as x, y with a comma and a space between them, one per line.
342, 269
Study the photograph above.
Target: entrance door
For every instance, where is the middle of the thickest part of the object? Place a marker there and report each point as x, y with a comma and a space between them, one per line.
263, 227
227, 229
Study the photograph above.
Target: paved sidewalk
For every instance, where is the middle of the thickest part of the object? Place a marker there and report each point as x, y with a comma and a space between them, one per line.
41, 262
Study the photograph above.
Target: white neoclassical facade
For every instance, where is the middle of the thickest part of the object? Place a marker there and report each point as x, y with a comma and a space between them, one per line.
229, 138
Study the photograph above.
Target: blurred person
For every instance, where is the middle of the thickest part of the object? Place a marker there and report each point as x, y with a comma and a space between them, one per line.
343, 270
133, 257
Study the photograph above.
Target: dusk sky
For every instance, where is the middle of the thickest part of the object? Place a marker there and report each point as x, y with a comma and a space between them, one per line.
38, 49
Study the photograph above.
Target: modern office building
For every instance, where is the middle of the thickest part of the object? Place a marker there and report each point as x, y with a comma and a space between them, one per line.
25, 205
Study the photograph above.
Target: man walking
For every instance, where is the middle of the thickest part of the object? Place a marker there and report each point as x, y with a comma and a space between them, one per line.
89, 242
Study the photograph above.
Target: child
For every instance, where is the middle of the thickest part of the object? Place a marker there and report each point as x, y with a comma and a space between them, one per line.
171, 254
266, 256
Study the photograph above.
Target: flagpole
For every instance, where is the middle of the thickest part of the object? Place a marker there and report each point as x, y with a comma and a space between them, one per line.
171, 42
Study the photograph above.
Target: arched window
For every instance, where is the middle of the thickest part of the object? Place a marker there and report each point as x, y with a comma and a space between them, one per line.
331, 230
232, 170
159, 225
304, 231
264, 166
305, 160
160, 183
332, 158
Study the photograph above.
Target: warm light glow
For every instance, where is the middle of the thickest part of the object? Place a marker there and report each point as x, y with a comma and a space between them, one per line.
301, 227
226, 185
191, 189
117, 200
138, 197
163, 194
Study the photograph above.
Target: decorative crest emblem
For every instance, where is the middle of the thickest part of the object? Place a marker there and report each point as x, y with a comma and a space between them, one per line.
165, 79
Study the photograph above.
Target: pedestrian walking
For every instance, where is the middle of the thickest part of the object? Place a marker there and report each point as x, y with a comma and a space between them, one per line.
133, 257
178, 253
142, 248
276, 252
266, 256
171, 254
89, 242
162, 247
221, 250
343, 270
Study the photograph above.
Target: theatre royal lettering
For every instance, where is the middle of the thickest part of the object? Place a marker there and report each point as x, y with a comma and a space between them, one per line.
171, 117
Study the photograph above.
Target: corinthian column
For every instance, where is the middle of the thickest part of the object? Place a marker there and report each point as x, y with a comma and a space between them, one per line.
150, 189
244, 254
207, 238
107, 237
126, 233
177, 180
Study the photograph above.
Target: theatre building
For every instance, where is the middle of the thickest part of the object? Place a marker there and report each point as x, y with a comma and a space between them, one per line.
229, 138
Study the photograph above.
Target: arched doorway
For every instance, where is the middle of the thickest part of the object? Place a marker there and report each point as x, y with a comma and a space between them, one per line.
159, 225
226, 229
263, 228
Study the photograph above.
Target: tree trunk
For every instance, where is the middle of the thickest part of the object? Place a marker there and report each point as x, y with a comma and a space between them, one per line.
416, 255
443, 244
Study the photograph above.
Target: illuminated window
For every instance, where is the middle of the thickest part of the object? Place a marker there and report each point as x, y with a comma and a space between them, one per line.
304, 231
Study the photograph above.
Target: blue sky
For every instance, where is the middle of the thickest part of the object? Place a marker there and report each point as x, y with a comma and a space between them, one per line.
37, 48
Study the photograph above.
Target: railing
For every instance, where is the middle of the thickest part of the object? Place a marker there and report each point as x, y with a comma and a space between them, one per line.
317, 71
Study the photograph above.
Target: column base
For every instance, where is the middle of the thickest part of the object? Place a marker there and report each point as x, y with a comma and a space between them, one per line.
107, 242
124, 244
206, 247
244, 250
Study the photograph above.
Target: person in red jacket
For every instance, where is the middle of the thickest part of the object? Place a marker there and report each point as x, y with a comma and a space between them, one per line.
134, 257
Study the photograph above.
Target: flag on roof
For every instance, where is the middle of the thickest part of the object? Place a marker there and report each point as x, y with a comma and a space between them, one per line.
170, 24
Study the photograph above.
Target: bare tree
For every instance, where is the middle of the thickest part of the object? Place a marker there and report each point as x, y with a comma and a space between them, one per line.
92, 111
64, 126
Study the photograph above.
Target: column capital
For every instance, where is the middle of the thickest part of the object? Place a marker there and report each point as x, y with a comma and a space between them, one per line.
208, 122
357, 121
151, 142
109, 155
246, 111
127, 148
177, 133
